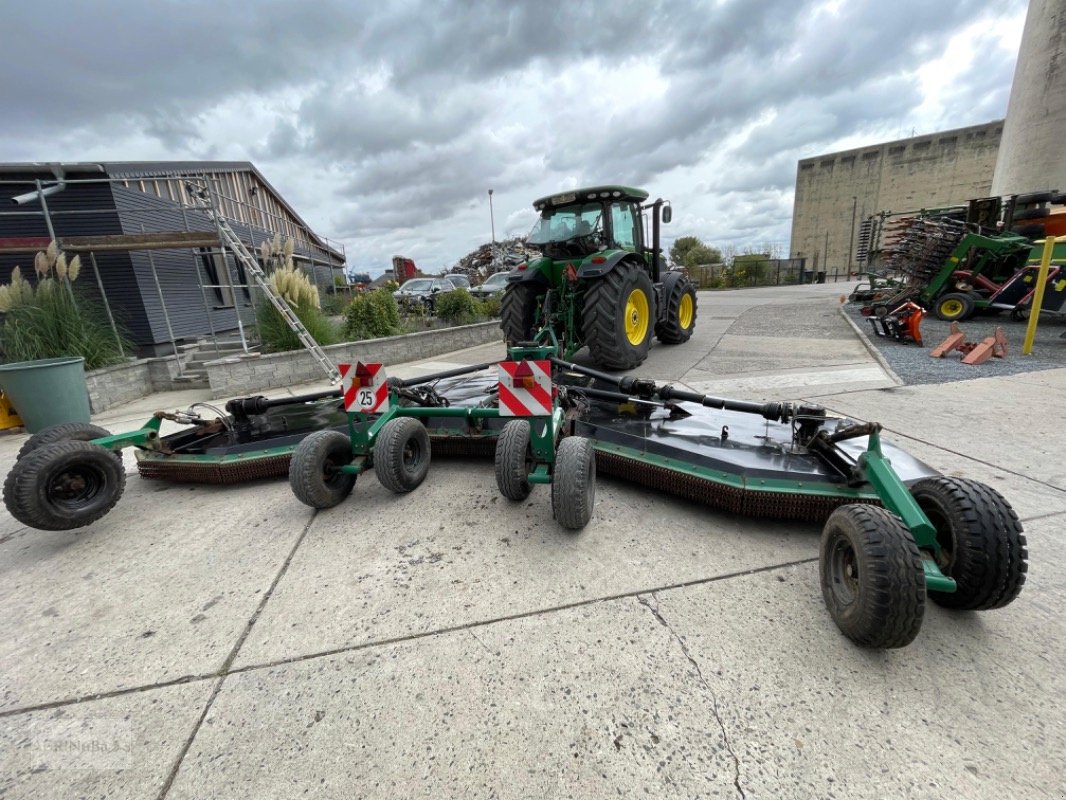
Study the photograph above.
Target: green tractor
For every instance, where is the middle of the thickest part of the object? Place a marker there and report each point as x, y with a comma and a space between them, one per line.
595, 282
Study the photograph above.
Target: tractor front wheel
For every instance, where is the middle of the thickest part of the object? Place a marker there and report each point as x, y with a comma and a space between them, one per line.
954, 307
315, 470
981, 542
67, 432
513, 460
679, 299
518, 312
872, 578
617, 317
401, 454
574, 482
64, 485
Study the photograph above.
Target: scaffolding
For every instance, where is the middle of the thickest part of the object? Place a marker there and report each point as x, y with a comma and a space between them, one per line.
181, 224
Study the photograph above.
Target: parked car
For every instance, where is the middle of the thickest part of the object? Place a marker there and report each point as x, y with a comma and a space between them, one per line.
493, 286
460, 281
422, 292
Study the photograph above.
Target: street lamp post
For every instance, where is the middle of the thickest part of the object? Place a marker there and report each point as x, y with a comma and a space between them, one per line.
492, 219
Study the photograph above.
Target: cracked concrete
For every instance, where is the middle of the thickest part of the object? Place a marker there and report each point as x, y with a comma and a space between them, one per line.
449, 643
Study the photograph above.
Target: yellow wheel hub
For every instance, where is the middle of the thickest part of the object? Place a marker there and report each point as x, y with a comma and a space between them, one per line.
951, 308
637, 317
684, 312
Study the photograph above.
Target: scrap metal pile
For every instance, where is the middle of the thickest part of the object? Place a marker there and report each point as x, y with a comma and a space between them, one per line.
895, 531
490, 258
918, 246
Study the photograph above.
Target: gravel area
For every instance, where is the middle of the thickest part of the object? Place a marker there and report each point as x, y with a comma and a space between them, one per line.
914, 366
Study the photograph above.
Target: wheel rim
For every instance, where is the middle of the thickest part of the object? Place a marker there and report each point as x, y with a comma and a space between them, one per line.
951, 308
843, 573
331, 471
684, 311
412, 455
636, 317
74, 487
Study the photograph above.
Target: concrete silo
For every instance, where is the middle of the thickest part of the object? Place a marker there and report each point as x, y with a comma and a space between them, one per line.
1032, 153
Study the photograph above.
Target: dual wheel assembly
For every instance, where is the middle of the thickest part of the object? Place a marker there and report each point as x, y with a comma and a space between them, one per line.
401, 458
871, 569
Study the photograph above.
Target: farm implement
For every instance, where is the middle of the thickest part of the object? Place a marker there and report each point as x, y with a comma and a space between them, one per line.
895, 531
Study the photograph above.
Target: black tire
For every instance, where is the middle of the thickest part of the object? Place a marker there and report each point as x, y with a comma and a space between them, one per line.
401, 454
1030, 231
64, 485
981, 540
514, 460
679, 319
872, 578
1031, 213
879, 310
955, 306
1020, 313
67, 432
574, 482
518, 311
604, 317
314, 471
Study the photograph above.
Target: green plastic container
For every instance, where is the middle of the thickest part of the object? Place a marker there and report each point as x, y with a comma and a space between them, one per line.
46, 392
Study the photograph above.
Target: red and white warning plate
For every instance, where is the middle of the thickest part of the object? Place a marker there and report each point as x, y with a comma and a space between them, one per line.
525, 388
364, 388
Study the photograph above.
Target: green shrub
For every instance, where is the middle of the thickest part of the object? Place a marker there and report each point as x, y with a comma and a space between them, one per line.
458, 306
489, 308
278, 337
371, 315
335, 303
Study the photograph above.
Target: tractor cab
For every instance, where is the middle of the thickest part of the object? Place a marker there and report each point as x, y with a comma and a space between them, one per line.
579, 223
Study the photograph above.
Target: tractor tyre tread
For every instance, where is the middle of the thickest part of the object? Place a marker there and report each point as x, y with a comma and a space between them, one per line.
669, 330
312, 471
512, 460
26, 489
602, 317
989, 558
518, 312
890, 603
390, 447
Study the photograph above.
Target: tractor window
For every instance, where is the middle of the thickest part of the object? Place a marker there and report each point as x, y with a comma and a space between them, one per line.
624, 226
563, 224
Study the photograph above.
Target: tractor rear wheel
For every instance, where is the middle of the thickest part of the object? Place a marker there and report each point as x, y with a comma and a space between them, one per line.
401, 454
64, 485
574, 482
617, 317
872, 578
67, 432
513, 460
679, 297
315, 470
518, 312
981, 542
954, 307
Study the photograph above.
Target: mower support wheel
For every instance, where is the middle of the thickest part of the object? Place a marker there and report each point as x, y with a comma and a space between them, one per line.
982, 545
64, 485
518, 312
955, 306
679, 299
574, 482
514, 460
618, 317
872, 578
314, 471
66, 432
401, 454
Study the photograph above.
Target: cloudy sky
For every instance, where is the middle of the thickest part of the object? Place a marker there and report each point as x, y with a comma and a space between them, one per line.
385, 124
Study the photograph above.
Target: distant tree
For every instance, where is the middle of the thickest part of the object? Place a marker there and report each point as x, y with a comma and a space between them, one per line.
689, 251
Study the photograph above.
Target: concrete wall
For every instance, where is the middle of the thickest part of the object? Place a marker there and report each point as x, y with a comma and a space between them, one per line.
112, 386
1032, 157
231, 377
834, 189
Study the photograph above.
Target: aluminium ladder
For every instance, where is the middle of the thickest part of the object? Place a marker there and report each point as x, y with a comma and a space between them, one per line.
229, 239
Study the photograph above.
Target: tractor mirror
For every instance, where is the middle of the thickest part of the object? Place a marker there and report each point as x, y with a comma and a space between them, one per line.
668, 214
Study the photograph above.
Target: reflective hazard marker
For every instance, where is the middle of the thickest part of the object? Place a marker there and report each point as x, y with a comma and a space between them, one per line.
525, 388
364, 388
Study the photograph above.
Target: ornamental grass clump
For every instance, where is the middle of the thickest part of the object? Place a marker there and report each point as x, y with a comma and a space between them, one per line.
302, 296
53, 318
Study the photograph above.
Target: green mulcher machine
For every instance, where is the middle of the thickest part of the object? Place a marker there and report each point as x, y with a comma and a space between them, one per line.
895, 533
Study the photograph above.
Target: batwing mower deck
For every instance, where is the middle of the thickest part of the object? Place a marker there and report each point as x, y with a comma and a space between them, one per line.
895, 529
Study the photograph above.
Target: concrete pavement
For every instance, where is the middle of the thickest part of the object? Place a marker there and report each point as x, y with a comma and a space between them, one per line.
214, 642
